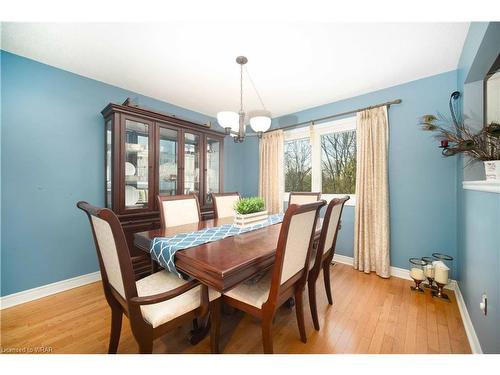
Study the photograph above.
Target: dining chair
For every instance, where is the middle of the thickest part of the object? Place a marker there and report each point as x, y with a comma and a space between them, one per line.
178, 209
325, 251
296, 197
155, 304
286, 279
224, 203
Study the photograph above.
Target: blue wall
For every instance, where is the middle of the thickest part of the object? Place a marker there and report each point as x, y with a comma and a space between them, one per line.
52, 156
479, 212
422, 182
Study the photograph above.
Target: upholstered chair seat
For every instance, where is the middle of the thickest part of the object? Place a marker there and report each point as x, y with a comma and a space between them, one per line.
162, 312
224, 204
303, 197
155, 304
252, 294
178, 210
324, 252
286, 279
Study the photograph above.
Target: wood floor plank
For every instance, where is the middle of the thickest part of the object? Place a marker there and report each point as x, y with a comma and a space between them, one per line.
369, 315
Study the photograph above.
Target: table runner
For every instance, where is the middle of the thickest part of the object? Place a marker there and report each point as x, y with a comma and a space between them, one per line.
163, 249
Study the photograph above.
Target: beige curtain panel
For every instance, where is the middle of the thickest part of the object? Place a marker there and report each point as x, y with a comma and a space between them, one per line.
271, 170
371, 223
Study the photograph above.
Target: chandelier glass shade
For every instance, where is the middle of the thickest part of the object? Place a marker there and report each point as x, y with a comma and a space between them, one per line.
228, 119
260, 124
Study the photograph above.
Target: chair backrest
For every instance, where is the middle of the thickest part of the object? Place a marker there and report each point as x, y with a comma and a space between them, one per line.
112, 251
303, 197
294, 245
330, 228
224, 203
178, 209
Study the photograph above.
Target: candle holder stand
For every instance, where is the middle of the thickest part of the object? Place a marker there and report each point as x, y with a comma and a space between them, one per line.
429, 273
417, 287
417, 274
430, 284
442, 274
439, 293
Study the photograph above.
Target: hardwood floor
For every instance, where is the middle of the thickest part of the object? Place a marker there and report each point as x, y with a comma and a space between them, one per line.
369, 315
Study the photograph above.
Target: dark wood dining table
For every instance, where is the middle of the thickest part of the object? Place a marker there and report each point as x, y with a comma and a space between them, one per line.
225, 263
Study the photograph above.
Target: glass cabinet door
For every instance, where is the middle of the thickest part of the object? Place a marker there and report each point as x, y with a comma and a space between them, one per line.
136, 166
212, 175
168, 163
192, 163
109, 165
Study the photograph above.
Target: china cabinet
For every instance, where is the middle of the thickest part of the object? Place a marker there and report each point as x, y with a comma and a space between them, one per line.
150, 153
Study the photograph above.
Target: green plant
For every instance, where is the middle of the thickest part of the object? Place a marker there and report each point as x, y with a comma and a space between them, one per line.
249, 205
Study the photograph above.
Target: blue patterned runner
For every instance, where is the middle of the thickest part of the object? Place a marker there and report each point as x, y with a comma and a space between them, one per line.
163, 249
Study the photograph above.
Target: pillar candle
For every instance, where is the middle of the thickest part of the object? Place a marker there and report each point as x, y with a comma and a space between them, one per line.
441, 272
429, 271
417, 274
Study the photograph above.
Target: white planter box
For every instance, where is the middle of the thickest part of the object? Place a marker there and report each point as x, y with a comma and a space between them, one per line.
492, 170
250, 219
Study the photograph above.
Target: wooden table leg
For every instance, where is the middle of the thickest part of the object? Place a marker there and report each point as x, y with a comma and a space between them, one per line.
200, 330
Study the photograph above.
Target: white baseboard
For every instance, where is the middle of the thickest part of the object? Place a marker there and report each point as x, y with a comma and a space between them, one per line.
47, 290
405, 274
395, 271
475, 346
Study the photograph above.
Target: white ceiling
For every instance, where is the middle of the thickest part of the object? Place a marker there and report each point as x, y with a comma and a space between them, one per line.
294, 66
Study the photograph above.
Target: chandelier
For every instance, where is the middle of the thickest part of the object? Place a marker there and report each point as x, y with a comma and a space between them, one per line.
234, 122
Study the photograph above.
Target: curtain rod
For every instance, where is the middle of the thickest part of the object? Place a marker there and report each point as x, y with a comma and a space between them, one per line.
396, 101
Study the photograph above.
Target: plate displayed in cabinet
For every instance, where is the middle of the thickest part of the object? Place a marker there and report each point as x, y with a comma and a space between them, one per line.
129, 169
131, 195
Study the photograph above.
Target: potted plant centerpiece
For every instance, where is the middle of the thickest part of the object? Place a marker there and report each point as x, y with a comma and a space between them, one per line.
456, 137
249, 211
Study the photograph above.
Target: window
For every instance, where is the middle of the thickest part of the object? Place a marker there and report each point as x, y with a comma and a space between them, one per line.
322, 158
297, 169
338, 162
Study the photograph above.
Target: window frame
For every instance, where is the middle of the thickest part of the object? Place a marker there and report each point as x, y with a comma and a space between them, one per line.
314, 134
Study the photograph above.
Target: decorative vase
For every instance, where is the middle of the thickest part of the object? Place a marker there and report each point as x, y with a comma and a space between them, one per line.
492, 170
246, 220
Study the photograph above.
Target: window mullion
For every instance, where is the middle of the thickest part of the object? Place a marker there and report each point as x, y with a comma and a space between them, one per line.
316, 161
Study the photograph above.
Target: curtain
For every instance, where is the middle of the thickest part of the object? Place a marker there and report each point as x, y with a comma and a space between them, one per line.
271, 170
371, 223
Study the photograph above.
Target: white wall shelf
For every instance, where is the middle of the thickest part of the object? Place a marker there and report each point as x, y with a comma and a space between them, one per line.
488, 186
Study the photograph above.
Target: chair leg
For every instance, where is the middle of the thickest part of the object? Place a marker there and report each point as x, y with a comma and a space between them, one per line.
116, 327
267, 338
299, 311
311, 285
146, 346
326, 276
215, 310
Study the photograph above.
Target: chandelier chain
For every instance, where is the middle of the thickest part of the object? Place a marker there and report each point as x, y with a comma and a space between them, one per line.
255, 88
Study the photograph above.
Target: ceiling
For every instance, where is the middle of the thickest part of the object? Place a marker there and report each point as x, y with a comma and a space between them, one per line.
293, 65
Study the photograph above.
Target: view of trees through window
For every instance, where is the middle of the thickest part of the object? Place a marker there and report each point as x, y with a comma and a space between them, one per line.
298, 166
338, 163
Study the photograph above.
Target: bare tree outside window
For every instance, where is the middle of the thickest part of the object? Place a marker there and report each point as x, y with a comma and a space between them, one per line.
338, 163
298, 166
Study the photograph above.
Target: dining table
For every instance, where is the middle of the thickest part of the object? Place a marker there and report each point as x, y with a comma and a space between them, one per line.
224, 263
